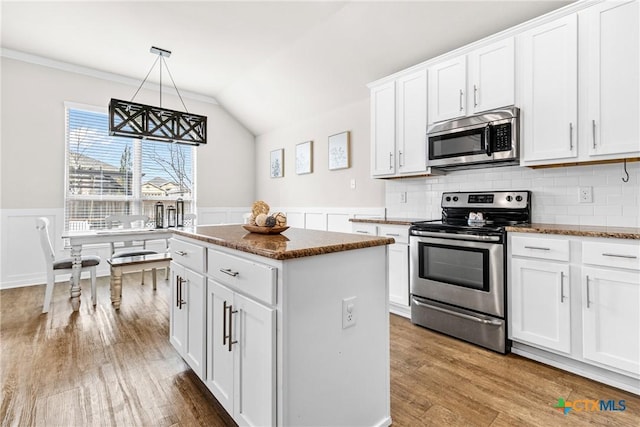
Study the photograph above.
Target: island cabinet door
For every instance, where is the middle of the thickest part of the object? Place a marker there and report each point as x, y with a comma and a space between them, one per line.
177, 314
193, 285
255, 380
219, 376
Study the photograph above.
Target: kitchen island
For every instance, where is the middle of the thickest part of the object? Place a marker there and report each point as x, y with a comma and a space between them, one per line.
285, 329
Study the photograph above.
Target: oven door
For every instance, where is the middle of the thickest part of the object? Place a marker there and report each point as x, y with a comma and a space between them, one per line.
467, 274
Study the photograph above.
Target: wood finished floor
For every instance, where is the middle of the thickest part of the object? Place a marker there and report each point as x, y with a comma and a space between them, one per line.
107, 368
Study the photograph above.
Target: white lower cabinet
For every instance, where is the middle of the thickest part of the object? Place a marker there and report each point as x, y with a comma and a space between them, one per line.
241, 355
540, 304
611, 318
187, 316
574, 302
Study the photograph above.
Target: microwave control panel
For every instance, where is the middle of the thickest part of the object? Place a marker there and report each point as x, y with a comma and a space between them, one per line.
501, 137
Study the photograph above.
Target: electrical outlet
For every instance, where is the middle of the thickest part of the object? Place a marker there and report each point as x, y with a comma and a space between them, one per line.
403, 197
586, 194
348, 312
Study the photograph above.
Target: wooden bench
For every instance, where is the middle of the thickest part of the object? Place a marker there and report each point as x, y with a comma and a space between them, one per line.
122, 265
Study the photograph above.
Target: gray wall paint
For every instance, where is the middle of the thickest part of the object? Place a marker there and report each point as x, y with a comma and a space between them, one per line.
33, 134
322, 187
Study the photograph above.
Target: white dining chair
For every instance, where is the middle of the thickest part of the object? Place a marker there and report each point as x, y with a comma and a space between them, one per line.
62, 266
128, 249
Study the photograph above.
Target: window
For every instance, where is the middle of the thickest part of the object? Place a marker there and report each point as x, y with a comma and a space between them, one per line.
107, 175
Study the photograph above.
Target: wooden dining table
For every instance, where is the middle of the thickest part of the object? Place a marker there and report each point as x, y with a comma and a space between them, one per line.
79, 238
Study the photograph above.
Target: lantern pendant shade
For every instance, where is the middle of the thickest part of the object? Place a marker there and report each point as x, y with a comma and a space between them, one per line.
179, 213
159, 214
171, 216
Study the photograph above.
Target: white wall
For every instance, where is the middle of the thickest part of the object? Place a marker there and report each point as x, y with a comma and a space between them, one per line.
32, 161
555, 193
322, 187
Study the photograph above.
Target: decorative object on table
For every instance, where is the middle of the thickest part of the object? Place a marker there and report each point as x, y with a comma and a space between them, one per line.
339, 151
133, 120
171, 216
261, 220
304, 157
280, 218
264, 230
276, 163
159, 215
258, 207
180, 212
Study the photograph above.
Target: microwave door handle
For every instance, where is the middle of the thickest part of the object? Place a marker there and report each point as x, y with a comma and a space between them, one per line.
487, 142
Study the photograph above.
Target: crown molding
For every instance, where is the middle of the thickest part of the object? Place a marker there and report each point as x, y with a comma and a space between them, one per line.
92, 72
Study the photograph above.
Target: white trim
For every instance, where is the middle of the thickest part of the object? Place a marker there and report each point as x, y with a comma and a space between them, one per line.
92, 72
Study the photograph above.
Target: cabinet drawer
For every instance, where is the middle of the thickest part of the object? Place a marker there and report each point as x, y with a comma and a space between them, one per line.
251, 278
364, 228
187, 254
399, 233
607, 254
540, 247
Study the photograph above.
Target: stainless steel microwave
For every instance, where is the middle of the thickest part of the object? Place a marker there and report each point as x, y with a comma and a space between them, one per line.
488, 139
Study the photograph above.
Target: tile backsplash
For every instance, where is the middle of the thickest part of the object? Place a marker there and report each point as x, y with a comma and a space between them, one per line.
555, 193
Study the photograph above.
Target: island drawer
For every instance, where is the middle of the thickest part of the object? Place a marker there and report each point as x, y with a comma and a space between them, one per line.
364, 228
248, 277
540, 247
606, 254
187, 254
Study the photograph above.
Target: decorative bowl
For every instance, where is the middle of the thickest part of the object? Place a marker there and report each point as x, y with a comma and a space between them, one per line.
264, 230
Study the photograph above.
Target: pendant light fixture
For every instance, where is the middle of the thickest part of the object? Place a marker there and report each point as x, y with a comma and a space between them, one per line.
134, 120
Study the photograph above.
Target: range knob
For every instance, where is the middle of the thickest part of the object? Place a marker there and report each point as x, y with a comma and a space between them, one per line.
509, 198
455, 198
518, 198
448, 199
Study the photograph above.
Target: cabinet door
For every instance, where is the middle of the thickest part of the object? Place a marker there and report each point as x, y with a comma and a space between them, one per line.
540, 304
492, 72
549, 90
612, 74
219, 373
398, 271
255, 357
178, 313
412, 122
611, 315
193, 288
447, 83
383, 129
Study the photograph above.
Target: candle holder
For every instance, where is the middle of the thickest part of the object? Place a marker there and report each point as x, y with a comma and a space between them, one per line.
159, 213
171, 216
180, 212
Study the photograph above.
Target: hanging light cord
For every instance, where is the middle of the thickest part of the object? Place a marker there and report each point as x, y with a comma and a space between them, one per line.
160, 57
626, 172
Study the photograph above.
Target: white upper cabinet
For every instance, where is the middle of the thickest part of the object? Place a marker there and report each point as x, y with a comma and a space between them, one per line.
492, 76
479, 81
610, 75
383, 129
411, 127
447, 89
549, 102
399, 125
580, 86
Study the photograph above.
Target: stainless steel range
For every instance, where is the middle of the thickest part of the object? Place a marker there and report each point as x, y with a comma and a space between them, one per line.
458, 267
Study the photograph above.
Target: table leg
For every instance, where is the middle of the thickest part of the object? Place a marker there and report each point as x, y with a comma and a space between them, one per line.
116, 287
76, 269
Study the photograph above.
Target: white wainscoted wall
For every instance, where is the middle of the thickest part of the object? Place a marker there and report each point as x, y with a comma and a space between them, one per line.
555, 193
22, 260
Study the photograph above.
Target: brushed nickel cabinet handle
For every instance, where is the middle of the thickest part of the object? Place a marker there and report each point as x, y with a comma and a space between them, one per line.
224, 323
229, 272
362, 232
231, 313
181, 253
593, 131
588, 302
621, 256
562, 287
475, 96
539, 248
461, 93
400, 159
390, 160
570, 136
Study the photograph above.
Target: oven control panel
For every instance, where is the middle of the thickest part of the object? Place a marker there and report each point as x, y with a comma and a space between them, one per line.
490, 199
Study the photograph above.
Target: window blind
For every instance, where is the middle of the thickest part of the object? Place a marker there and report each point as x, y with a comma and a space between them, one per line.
108, 175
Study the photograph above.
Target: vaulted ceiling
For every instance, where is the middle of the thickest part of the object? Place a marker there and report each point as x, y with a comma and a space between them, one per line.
269, 63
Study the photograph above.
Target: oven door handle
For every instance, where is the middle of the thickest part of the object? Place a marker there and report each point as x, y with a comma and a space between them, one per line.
457, 236
455, 313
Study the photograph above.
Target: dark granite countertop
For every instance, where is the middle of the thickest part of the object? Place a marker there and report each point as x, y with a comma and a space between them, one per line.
579, 230
292, 243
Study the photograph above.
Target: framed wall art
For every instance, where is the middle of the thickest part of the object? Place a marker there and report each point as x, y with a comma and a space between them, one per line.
339, 151
304, 157
276, 163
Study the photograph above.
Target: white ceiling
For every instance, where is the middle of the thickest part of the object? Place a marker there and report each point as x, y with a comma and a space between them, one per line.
269, 63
